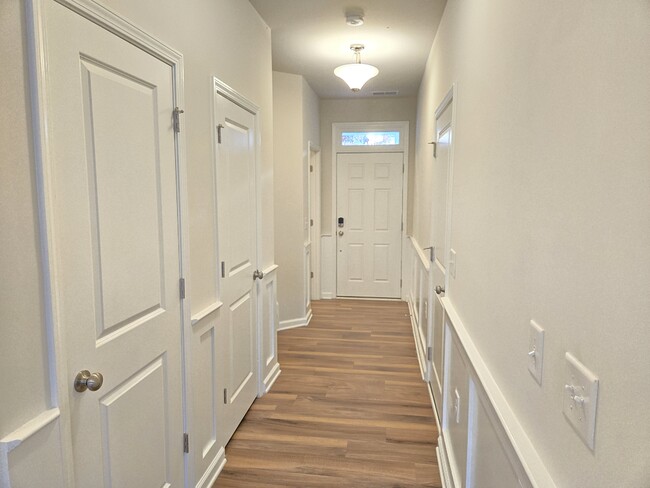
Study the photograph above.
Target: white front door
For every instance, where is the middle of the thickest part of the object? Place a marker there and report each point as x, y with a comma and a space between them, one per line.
112, 191
440, 238
368, 226
237, 250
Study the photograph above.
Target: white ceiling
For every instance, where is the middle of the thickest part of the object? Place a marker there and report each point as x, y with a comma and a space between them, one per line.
311, 38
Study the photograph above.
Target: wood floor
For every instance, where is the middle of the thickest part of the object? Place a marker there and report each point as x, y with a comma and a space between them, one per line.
350, 408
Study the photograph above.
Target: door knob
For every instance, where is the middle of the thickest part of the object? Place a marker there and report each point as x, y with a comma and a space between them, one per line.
258, 275
85, 380
440, 290
341, 232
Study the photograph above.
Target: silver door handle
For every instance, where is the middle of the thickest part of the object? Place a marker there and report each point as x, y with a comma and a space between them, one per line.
341, 232
258, 275
440, 290
85, 380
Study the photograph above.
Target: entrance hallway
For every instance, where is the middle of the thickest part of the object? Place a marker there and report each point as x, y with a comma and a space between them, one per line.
349, 409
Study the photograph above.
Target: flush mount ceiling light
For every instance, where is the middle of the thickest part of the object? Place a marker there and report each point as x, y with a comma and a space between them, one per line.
357, 74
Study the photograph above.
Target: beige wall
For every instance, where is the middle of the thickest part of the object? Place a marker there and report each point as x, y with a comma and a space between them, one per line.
23, 358
551, 211
205, 31
295, 124
360, 110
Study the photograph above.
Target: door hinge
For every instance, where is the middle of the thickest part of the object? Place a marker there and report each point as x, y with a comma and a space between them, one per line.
402, 226
429, 353
311, 222
311, 168
186, 442
177, 119
402, 168
219, 127
435, 148
311, 274
225, 396
181, 288
223, 269
400, 282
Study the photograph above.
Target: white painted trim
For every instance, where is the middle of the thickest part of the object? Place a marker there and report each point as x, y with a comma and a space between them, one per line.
209, 310
521, 443
443, 463
11, 441
271, 377
424, 259
314, 159
420, 354
404, 128
270, 269
213, 471
293, 323
327, 295
40, 94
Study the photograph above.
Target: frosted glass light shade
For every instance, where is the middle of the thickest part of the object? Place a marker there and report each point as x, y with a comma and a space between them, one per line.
356, 75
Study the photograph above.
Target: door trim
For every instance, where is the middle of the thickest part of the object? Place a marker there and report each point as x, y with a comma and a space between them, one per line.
221, 88
403, 147
314, 160
40, 96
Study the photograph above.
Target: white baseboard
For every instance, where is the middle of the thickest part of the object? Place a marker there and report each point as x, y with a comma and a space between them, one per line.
271, 377
293, 323
443, 464
327, 295
212, 473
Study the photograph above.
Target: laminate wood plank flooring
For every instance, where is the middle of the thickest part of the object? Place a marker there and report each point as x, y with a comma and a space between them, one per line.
350, 408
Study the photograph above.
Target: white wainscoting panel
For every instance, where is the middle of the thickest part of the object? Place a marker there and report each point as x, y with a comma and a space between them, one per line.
484, 443
481, 442
31, 455
328, 267
269, 313
207, 350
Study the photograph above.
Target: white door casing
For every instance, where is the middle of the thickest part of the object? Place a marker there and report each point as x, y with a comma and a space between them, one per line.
237, 216
113, 186
440, 238
369, 200
315, 228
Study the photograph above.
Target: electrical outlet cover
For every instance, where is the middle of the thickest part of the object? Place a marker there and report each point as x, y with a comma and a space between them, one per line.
580, 399
536, 351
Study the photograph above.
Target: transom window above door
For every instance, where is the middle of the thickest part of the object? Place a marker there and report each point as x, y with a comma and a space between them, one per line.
369, 137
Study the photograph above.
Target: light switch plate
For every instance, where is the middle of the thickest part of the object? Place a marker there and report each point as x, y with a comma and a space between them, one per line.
536, 351
580, 399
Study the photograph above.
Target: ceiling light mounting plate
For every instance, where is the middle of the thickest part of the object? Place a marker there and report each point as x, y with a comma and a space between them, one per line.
354, 19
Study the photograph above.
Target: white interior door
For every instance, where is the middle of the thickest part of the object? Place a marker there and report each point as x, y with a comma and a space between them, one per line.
369, 222
440, 239
115, 251
237, 249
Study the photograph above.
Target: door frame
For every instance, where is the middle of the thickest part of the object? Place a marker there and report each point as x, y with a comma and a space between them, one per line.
40, 94
402, 147
449, 101
221, 88
314, 190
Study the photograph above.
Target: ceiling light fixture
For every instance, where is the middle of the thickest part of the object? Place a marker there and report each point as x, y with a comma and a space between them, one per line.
357, 74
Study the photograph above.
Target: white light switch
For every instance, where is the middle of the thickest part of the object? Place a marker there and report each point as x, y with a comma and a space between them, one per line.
536, 351
580, 399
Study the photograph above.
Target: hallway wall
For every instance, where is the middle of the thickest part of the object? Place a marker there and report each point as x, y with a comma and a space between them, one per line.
205, 31
296, 119
551, 212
